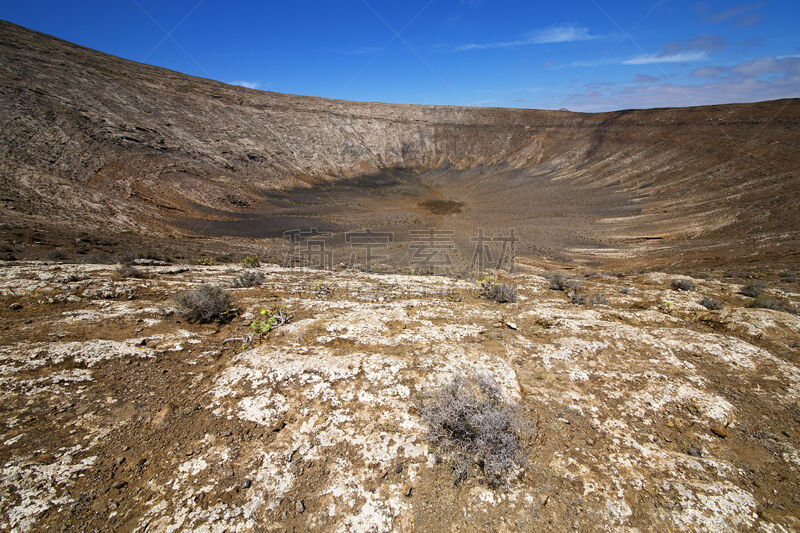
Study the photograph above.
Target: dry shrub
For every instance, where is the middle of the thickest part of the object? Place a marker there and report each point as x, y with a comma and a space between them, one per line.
130, 271
754, 288
710, 303
206, 304
560, 282
598, 298
470, 422
500, 292
682, 285
765, 302
248, 279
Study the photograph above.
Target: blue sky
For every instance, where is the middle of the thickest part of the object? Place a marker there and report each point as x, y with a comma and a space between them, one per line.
586, 56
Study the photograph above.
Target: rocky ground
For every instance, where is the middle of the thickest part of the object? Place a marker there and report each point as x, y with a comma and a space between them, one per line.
646, 411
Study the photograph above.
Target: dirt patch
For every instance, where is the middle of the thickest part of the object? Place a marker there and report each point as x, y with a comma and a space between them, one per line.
442, 207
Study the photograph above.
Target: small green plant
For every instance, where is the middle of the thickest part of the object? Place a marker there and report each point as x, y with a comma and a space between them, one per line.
320, 289
498, 292
205, 261
251, 261
270, 319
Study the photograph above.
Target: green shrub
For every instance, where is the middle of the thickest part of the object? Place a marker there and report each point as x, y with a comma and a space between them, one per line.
251, 261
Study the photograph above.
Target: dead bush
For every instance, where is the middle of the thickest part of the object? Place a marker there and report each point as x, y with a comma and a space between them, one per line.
248, 279
598, 298
560, 282
470, 423
56, 255
130, 271
500, 292
682, 285
207, 303
754, 288
577, 299
712, 304
765, 302
98, 258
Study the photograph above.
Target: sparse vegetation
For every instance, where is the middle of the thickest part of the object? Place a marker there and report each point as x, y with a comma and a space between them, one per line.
682, 284
56, 255
251, 261
130, 271
765, 302
207, 303
712, 304
498, 292
131, 256
205, 261
248, 279
271, 319
98, 258
560, 282
321, 290
754, 288
576, 298
625, 290
470, 423
598, 298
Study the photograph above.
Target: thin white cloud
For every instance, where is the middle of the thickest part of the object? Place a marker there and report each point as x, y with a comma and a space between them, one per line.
245, 83
674, 58
764, 78
562, 33
730, 12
